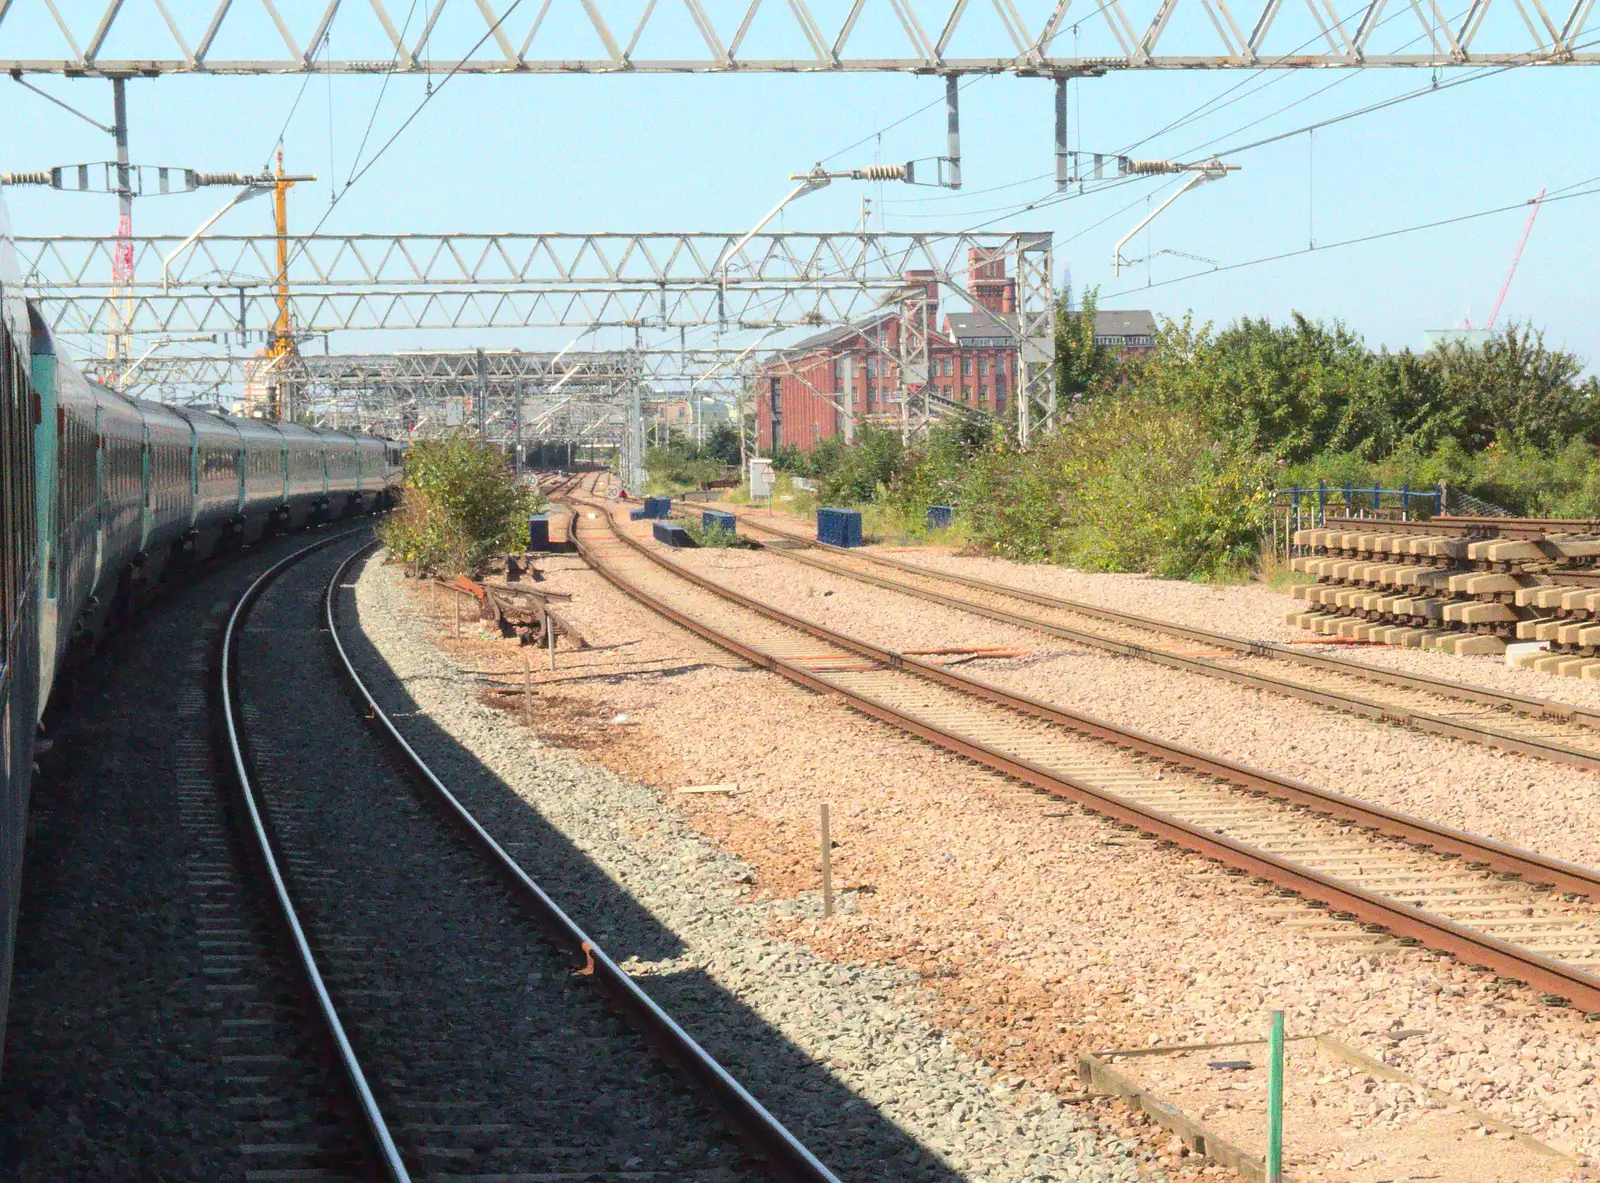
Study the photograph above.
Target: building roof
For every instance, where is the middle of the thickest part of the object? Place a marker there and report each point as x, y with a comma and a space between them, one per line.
829, 337
1138, 323
980, 324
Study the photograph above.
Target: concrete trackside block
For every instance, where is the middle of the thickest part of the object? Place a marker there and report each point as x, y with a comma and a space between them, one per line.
658, 508
1573, 667
1591, 672
716, 519
1522, 653
940, 516
539, 532
671, 534
839, 527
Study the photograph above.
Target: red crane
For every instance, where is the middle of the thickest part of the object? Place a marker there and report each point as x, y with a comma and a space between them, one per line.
1516, 258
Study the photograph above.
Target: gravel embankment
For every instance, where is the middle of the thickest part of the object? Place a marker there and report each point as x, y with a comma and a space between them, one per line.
841, 1050
1533, 803
1016, 912
1251, 610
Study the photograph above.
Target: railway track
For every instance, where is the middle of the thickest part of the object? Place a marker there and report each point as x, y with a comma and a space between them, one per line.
1518, 913
1538, 727
473, 1044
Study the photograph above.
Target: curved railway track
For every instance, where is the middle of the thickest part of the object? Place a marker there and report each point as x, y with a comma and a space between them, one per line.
1521, 914
474, 1045
1553, 731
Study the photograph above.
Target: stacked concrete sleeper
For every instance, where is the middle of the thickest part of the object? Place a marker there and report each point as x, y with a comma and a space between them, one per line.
1456, 593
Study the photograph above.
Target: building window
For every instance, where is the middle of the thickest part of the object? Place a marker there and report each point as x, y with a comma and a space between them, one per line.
945, 367
838, 369
872, 367
966, 367
983, 367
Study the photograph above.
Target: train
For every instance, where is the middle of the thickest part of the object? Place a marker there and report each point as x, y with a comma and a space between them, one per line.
102, 496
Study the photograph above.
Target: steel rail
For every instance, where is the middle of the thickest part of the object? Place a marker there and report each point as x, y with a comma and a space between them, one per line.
1558, 979
750, 1118
1522, 704
376, 1127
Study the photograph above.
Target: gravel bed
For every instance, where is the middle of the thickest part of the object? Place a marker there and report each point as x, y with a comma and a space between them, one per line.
124, 1009
1251, 610
489, 1055
1551, 808
1015, 912
842, 1050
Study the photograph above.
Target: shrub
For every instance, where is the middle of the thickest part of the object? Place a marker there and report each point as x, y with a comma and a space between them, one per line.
1126, 486
460, 505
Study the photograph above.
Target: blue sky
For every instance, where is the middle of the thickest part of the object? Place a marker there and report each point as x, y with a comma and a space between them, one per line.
714, 152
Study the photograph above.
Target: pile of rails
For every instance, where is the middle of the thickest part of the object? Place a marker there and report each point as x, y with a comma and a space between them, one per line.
1459, 585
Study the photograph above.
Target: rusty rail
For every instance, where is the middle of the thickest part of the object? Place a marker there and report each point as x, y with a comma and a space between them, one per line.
1575, 986
1470, 732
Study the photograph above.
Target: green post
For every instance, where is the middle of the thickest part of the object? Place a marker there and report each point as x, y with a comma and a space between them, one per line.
1275, 1100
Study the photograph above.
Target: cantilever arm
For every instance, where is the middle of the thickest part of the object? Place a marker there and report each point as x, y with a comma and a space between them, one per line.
1199, 178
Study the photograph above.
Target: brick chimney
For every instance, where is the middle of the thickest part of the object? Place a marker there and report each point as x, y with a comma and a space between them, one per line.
986, 279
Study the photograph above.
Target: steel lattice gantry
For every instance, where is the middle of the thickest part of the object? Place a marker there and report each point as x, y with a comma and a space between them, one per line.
762, 284
223, 283
1053, 38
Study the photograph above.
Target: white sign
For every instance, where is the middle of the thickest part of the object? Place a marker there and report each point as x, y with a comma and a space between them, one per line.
760, 477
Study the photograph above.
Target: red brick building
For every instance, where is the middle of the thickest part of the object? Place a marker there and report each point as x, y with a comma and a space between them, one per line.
804, 390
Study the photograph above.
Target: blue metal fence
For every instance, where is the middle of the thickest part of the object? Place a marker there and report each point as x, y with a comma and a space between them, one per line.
1307, 508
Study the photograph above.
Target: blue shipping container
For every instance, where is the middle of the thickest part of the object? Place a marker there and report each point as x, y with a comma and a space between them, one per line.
715, 519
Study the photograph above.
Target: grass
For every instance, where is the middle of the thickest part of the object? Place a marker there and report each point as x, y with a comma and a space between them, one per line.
1273, 570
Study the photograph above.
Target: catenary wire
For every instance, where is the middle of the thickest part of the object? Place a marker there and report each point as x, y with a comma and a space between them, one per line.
1365, 238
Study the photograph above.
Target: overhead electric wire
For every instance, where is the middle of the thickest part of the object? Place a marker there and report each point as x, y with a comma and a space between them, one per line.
1376, 237
382, 90
432, 93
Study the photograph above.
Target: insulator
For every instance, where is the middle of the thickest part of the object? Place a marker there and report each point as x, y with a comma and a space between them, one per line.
224, 179
1152, 166
38, 178
882, 172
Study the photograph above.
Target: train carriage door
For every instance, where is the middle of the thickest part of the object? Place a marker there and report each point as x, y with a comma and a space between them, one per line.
99, 494
194, 474
283, 459
147, 487
241, 464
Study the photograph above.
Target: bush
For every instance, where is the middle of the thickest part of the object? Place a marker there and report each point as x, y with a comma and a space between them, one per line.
1126, 486
460, 505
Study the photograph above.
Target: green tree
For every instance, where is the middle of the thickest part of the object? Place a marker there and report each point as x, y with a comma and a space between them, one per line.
1082, 364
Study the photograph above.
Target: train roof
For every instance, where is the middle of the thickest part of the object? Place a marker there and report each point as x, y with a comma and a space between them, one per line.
12, 308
